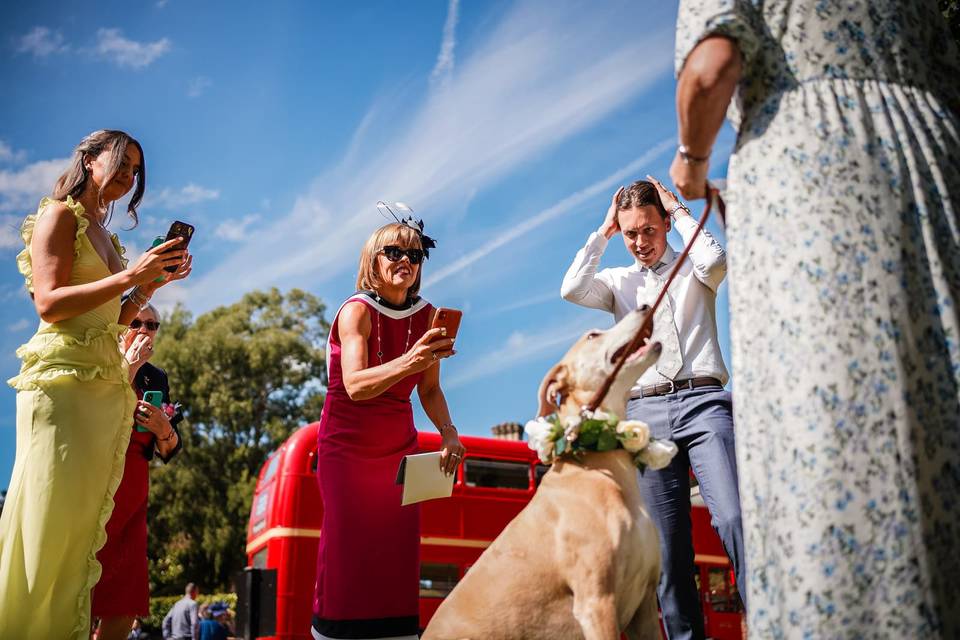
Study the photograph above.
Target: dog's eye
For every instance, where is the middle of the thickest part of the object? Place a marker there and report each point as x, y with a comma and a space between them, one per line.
593, 334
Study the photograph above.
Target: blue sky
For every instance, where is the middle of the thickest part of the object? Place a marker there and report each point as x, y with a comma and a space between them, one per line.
275, 127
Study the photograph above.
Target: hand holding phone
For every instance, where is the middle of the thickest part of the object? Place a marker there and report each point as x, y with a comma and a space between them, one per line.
448, 320
151, 397
179, 230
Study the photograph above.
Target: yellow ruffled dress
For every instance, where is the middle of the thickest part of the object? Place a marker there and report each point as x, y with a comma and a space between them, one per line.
74, 416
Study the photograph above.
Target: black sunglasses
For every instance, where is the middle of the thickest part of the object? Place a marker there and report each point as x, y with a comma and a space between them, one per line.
136, 323
394, 254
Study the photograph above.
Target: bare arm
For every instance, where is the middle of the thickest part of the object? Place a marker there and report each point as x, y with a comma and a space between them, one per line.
363, 382
581, 285
435, 406
704, 90
51, 254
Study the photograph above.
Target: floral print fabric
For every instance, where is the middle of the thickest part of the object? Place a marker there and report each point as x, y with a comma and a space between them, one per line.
844, 270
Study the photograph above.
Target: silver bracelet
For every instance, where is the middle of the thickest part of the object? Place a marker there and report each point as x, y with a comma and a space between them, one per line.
687, 157
138, 297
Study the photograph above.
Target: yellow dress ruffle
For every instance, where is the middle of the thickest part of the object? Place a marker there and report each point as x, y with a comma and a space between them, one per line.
74, 415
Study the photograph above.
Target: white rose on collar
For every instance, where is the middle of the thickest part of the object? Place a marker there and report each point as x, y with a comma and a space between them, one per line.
658, 454
633, 435
540, 438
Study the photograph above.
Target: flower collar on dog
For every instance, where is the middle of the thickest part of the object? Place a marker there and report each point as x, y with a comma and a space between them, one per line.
553, 437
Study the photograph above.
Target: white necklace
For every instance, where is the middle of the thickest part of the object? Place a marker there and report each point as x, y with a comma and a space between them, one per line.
406, 345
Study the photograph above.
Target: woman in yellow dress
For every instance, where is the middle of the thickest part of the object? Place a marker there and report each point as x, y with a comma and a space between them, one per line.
74, 402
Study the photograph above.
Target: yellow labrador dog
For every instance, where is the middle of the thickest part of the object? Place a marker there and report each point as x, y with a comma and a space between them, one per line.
582, 560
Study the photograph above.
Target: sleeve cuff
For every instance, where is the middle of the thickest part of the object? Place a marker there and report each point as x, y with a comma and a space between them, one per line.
597, 241
685, 226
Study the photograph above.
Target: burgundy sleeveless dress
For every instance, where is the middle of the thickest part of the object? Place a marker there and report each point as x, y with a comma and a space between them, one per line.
368, 566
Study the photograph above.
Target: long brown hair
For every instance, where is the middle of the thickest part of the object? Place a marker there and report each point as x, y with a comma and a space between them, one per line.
368, 276
74, 179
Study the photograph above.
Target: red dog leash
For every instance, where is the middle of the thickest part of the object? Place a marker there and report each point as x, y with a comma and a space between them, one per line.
645, 330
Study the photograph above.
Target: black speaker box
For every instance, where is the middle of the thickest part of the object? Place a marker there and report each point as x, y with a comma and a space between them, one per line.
256, 603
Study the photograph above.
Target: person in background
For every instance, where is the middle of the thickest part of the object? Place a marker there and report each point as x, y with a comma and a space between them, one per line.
217, 627
123, 590
843, 231
182, 621
74, 402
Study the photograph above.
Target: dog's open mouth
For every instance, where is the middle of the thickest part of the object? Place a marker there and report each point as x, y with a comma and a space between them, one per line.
643, 346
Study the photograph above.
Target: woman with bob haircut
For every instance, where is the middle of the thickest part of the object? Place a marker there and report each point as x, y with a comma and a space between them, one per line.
74, 401
380, 347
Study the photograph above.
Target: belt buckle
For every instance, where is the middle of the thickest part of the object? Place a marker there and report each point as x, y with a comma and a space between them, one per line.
672, 389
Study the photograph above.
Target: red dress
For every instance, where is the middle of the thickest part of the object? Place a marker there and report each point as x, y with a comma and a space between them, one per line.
123, 588
368, 567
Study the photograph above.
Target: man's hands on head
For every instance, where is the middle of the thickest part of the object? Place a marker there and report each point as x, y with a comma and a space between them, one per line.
668, 199
611, 226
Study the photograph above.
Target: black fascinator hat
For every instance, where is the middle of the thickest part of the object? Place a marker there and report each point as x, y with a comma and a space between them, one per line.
403, 214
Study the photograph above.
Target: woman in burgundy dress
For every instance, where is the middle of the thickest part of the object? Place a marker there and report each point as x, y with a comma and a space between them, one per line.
379, 350
123, 591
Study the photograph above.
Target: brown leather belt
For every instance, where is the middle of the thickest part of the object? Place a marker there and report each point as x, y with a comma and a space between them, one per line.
663, 388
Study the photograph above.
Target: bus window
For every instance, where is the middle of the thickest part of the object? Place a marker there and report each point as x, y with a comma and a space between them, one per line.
500, 474
538, 472
272, 469
437, 580
260, 506
260, 559
724, 596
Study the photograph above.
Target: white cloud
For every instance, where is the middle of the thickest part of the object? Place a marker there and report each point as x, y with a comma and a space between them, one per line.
519, 349
10, 232
516, 230
168, 198
443, 68
8, 154
42, 42
235, 230
530, 301
198, 85
543, 74
112, 45
20, 325
22, 188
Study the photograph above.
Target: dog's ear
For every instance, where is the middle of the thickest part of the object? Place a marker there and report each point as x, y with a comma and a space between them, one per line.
554, 384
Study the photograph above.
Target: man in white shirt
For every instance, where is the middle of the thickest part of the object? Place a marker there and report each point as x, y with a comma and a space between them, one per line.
682, 398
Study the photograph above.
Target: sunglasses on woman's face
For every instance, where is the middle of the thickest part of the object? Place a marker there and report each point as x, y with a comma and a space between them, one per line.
394, 254
136, 323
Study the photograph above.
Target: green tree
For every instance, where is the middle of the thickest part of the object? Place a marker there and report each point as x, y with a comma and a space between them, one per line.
247, 375
951, 11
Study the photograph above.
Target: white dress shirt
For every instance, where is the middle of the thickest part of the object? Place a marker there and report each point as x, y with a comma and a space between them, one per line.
693, 296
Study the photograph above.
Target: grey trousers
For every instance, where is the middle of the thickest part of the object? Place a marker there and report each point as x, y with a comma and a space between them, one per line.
700, 422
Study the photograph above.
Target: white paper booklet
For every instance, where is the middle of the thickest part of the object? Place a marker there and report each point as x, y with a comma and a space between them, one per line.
423, 479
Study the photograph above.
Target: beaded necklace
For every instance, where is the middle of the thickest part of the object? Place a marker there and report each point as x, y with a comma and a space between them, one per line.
406, 345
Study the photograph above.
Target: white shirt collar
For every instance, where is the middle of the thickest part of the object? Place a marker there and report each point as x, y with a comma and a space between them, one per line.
669, 255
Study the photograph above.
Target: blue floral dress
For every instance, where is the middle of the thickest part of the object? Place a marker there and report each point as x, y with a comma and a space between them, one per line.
844, 271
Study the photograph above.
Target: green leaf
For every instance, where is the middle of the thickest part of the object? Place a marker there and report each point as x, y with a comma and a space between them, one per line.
607, 441
589, 434
561, 446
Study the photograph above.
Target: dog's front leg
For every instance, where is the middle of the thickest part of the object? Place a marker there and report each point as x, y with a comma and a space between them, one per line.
597, 615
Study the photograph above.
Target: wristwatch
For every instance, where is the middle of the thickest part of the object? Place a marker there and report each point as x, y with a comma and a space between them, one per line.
687, 157
677, 207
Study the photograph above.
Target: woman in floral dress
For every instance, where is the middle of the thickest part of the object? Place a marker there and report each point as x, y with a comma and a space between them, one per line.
844, 263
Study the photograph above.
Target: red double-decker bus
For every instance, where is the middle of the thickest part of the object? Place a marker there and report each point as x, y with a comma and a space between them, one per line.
494, 483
